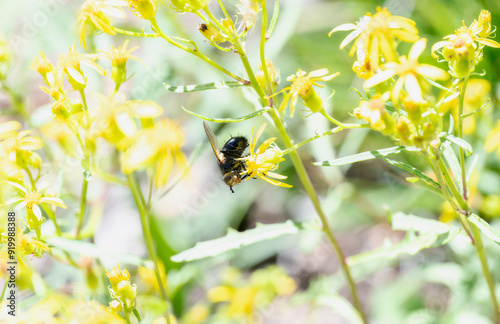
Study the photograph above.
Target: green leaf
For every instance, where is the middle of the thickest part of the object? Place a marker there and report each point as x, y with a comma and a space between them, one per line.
452, 161
235, 240
486, 228
203, 87
477, 110
431, 233
368, 155
416, 172
89, 249
403, 222
341, 306
274, 19
229, 120
458, 141
411, 245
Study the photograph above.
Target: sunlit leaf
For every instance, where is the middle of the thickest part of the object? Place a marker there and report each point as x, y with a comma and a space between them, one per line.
458, 141
422, 233
486, 228
274, 19
229, 120
368, 155
85, 248
202, 87
235, 240
416, 172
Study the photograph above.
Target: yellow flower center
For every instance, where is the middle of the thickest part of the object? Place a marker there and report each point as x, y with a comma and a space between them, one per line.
301, 85
377, 104
32, 198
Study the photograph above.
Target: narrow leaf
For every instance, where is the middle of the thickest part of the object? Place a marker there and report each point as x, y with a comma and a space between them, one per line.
459, 141
89, 249
411, 245
274, 19
341, 306
477, 110
235, 240
229, 120
431, 233
368, 155
451, 160
416, 172
403, 222
202, 87
486, 228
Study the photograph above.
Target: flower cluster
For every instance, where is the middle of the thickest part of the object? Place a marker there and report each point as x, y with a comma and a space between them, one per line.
404, 105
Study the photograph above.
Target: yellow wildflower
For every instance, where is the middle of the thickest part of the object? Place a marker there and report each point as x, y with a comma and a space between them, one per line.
32, 199
189, 5
262, 161
375, 35
41, 64
9, 129
115, 120
156, 147
17, 148
373, 111
493, 140
99, 13
409, 70
118, 57
476, 95
117, 275
70, 63
145, 9
463, 50
302, 86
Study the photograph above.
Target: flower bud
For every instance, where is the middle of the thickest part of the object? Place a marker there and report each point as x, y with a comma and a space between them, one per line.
485, 22
115, 306
60, 110
35, 161
210, 32
312, 100
189, 5
126, 289
145, 9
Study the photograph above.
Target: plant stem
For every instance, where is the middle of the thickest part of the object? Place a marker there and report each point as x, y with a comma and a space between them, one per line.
83, 205
308, 186
148, 237
461, 135
195, 52
481, 253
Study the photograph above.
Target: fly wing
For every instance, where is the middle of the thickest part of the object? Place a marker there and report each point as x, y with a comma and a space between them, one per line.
213, 141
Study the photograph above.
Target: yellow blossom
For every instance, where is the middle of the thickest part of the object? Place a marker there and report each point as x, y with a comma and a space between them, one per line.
409, 72
263, 160
493, 140
117, 275
476, 95
189, 5
9, 129
145, 9
118, 57
99, 13
17, 148
302, 85
373, 111
375, 36
70, 63
463, 50
157, 147
31, 199
41, 64
115, 120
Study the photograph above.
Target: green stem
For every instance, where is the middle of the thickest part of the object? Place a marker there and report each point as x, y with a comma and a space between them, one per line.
308, 186
330, 132
330, 118
262, 53
148, 237
481, 253
85, 108
134, 34
137, 315
83, 205
195, 52
461, 134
